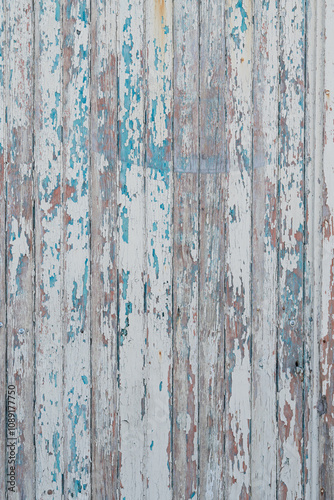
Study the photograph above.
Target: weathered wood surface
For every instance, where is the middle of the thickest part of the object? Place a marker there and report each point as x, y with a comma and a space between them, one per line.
167, 250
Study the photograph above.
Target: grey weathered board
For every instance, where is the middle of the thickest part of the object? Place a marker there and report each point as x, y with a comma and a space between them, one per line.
167, 249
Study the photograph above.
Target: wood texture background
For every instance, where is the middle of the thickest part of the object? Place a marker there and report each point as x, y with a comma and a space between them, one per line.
167, 248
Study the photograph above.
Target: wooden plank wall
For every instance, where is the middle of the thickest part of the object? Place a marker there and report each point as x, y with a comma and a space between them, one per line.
167, 249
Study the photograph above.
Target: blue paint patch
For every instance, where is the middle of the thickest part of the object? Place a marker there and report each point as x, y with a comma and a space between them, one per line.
125, 280
84, 379
160, 386
243, 15
155, 263
125, 225
56, 451
53, 280
57, 11
128, 308
55, 64
151, 445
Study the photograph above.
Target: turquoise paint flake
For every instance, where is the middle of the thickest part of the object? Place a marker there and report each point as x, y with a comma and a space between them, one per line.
125, 279
243, 15
125, 225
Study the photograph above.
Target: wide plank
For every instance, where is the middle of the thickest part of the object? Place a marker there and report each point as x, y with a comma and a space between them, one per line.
265, 249
211, 250
19, 235
290, 370
238, 244
131, 250
158, 223
48, 255
185, 251
76, 255
104, 150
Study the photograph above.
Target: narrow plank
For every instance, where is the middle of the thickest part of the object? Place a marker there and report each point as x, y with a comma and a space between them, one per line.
131, 250
76, 315
313, 240
239, 35
3, 157
211, 251
326, 402
48, 236
19, 233
265, 251
3, 202
104, 248
290, 477
158, 189
185, 252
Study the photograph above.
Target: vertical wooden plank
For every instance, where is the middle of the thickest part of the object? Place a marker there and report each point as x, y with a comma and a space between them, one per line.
104, 248
265, 252
291, 216
211, 251
19, 229
131, 250
326, 402
239, 35
48, 236
158, 189
76, 317
185, 255
313, 241
3, 153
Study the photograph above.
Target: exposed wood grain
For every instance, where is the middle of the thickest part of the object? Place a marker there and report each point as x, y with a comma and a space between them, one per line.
211, 251
158, 292
265, 252
326, 402
48, 236
19, 229
291, 217
104, 250
76, 318
186, 255
3, 158
239, 34
131, 251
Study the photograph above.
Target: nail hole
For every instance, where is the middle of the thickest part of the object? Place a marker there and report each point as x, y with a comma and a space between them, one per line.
297, 364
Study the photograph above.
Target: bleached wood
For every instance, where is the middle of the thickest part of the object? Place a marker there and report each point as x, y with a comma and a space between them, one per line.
131, 250
158, 291
211, 250
104, 250
48, 255
19, 234
265, 251
239, 35
76, 263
